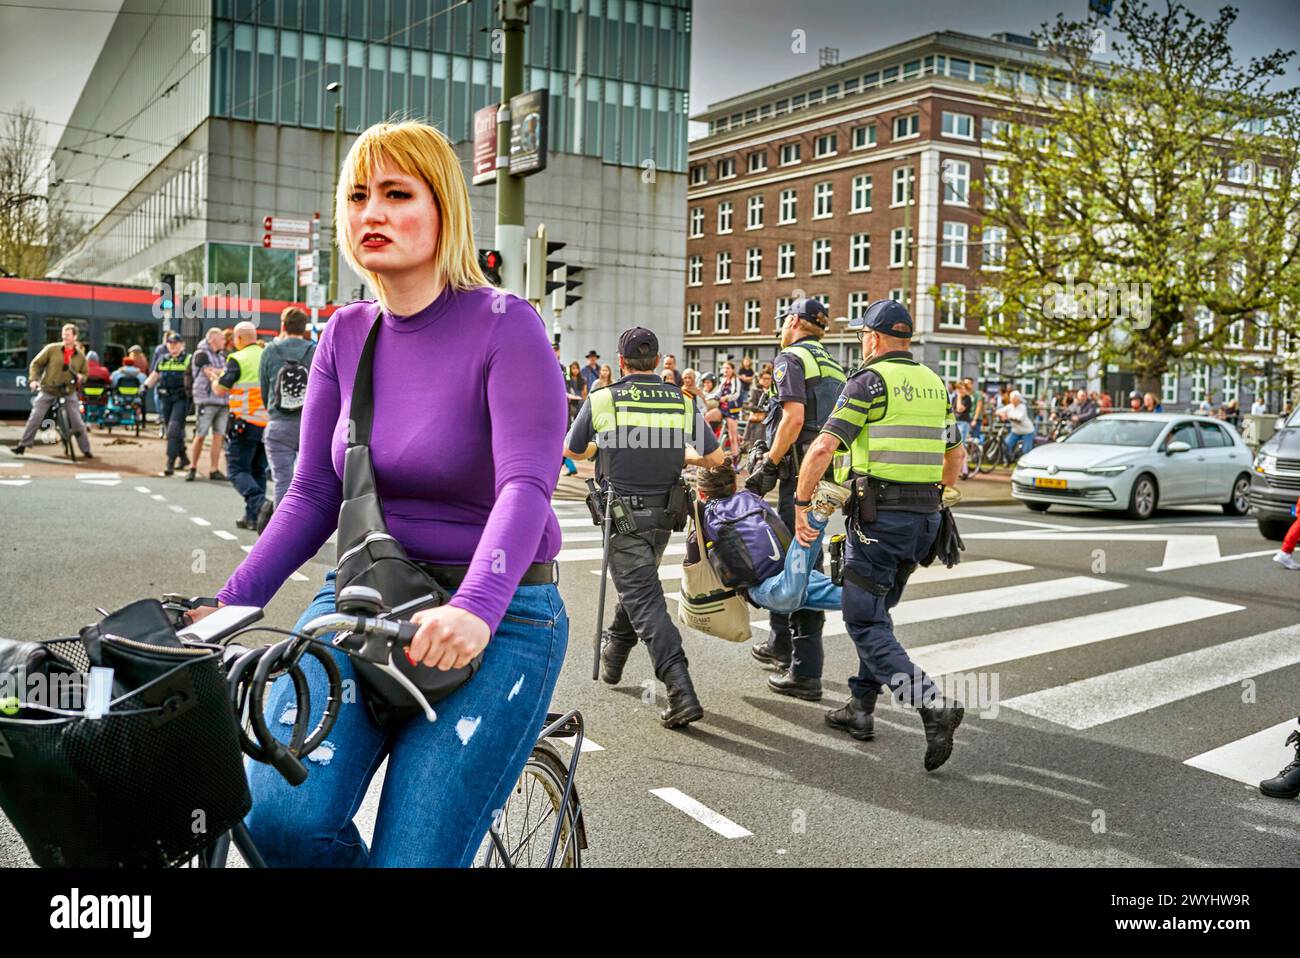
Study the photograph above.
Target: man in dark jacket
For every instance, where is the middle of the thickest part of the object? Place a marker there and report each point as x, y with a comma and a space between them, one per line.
1082, 409
283, 372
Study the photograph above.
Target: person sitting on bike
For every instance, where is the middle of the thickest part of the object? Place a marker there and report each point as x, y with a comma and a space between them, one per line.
798, 585
466, 478
1016, 413
57, 369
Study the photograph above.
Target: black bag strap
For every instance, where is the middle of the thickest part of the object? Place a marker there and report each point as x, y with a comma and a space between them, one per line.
363, 388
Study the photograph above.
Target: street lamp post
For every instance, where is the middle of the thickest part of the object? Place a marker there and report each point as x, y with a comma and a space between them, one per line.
336, 88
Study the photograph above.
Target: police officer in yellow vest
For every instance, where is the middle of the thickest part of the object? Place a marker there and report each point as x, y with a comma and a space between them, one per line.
806, 379
638, 429
898, 446
245, 454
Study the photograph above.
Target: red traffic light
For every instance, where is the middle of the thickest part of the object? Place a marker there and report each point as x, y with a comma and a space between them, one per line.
492, 259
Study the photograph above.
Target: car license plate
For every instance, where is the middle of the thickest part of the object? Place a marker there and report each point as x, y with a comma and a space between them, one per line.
1045, 483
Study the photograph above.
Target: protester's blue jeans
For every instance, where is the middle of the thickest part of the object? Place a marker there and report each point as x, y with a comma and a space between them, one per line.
445, 779
1026, 443
798, 585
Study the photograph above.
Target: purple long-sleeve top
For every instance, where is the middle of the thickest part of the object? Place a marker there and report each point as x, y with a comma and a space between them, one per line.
470, 415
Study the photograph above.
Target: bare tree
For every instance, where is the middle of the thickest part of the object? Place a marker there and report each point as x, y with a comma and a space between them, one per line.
34, 229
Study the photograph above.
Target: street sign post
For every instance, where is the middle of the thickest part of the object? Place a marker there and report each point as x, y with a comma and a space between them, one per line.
279, 224
279, 241
316, 296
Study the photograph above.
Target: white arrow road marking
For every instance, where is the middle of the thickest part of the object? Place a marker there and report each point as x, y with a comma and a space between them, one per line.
1104, 698
980, 651
701, 813
1251, 759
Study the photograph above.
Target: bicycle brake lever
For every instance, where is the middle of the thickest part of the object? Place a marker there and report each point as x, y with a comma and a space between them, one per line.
377, 650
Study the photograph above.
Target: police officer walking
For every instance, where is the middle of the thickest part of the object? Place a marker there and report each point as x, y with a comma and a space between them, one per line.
900, 447
806, 380
638, 429
171, 374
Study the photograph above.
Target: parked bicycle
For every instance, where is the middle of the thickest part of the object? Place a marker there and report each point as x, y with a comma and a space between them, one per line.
994, 452
58, 419
974, 454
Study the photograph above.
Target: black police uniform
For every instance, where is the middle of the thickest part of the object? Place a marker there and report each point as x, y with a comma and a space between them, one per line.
798, 636
643, 466
174, 403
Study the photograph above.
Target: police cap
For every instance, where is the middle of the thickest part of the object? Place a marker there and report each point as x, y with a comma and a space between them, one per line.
808, 309
638, 343
886, 316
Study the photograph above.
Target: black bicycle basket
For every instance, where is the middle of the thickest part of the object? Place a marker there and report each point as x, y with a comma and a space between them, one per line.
153, 782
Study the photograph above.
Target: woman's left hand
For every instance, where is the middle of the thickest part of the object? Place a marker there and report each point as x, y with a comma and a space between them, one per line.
448, 637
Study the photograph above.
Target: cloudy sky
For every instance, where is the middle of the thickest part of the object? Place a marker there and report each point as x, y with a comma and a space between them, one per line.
49, 46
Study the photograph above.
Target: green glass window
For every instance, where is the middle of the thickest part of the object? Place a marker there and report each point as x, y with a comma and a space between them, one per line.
289, 78
438, 89
357, 19
399, 24
312, 19
353, 86
273, 272
398, 73
227, 263
334, 17
420, 24
458, 119
243, 106
420, 85
289, 14
266, 74
222, 52
378, 19
378, 57
313, 84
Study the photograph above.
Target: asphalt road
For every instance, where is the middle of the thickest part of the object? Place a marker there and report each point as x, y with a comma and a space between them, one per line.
1126, 684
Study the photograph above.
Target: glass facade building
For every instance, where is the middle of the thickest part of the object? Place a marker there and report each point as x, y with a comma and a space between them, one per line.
429, 60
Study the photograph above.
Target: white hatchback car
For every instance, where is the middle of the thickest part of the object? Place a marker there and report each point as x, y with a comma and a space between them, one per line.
1136, 461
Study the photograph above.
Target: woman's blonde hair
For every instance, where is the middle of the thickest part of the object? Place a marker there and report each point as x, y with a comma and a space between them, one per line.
420, 151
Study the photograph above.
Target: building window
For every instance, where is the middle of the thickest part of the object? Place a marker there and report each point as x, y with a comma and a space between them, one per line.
724, 267
897, 245
860, 251
1270, 176
821, 256
822, 197
952, 305
993, 131
724, 217
753, 264
789, 208
699, 174
782, 307
958, 125
954, 244
995, 247
1200, 383
1231, 384
861, 194
754, 213
697, 222
726, 168
1240, 172
751, 315
995, 186
693, 318
991, 312
907, 126
694, 274
1169, 387
956, 182
758, 161
785, 261
904, 185
897, 296
789, 154
858, 303
864, 136
722, 317
949, 365
1263, 333
1236, 334
826, 145
990, 364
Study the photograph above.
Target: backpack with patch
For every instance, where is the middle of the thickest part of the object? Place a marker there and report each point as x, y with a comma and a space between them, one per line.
291, 383
745, 538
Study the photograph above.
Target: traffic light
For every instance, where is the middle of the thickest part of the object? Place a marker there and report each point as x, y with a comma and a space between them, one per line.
168, 282
562, 297
489, 261
540, 266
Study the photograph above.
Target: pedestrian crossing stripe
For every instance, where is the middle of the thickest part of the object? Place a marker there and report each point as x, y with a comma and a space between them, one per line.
1251, 759
972, 569
15, 482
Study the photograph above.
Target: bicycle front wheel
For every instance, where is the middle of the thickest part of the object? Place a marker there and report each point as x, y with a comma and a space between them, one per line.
532, 814
65, 432
990, 455
974, 457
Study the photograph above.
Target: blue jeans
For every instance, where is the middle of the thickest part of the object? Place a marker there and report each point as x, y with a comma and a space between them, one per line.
246, 463
1026, 443
445, 779
799, 585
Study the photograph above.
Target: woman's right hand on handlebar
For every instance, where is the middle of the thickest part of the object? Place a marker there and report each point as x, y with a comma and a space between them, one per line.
201, 612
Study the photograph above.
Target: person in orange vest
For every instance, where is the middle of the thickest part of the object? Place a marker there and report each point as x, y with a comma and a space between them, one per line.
245, 453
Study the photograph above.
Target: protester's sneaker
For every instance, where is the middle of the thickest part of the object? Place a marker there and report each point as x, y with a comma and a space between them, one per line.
829, 498
1286, 560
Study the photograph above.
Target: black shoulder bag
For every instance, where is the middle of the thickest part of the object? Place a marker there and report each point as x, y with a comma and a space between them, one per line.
368, 555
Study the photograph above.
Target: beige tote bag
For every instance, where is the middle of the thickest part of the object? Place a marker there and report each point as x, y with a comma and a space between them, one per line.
706, 604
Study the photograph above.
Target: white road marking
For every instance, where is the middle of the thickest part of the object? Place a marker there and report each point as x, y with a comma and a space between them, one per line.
980, 651
158, 497
177, 509
1181, 552
24, 482
1251, 759
1116, 695
298, 577
667, 573
223, 534
587, 744
1232, 558
985, 517
587, 555
576, 522
10, 465
984, 600
199, 521
247, 548
98, 475
701, 813
144, 489
936, 573
101, 482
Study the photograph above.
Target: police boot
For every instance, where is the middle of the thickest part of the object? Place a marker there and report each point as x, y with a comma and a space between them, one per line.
613, 656
683, 704
940, 721
855, 717
763, 652
787, 683
1287, 782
